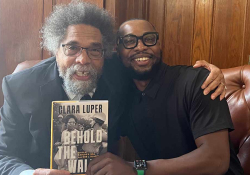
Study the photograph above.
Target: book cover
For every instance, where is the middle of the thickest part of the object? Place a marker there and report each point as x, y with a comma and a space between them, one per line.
78, 134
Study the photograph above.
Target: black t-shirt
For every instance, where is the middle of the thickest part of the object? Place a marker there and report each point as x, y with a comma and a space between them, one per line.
165, 119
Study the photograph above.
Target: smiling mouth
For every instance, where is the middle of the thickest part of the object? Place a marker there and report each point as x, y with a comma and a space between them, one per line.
142, 59
82, 74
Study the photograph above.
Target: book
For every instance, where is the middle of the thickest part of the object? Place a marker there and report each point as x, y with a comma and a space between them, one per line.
79, 133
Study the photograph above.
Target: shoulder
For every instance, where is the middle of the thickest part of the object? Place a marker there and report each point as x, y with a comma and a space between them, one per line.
36, 69
188, 71
31, 76
188, 74
184, 81
25, 86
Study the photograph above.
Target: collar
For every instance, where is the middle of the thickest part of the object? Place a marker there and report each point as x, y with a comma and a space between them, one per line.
155, 83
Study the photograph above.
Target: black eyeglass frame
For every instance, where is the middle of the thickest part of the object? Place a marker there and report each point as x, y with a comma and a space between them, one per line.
120, 39
79, 53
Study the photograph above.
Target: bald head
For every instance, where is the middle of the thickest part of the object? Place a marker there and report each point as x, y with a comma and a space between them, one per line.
135, 24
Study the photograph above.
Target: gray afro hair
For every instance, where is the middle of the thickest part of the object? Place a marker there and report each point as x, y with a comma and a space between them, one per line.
77, 12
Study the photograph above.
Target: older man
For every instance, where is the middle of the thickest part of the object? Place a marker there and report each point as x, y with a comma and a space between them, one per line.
80, 35
171, 124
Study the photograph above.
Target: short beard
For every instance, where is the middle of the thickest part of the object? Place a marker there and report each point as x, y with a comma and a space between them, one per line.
78, 87
146, 75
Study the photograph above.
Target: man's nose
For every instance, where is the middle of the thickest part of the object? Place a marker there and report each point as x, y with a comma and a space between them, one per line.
83, 58
140, 46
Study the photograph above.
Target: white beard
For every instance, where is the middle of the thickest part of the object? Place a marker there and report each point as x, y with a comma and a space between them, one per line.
78, 87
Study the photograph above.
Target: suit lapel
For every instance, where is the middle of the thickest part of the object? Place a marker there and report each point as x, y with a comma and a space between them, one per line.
51, 90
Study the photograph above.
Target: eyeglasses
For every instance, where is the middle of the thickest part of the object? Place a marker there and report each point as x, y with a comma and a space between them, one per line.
73, 50
131, 41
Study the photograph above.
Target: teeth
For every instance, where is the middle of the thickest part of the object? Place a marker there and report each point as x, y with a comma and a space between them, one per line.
82, 73
142, 59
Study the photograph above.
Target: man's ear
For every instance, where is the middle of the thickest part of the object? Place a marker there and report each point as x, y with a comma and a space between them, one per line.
116, 48
159, 43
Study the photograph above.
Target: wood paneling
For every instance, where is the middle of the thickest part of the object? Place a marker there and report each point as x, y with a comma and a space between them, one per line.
178, 31
246, 51
99, 3
202, 30
111, 6
126, 9
19, 31
135, 9
57, 2
155, 15
228, 33
47, 9
118, 13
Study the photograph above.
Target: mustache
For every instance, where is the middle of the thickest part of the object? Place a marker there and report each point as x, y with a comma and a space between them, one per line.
81, 68
136, 55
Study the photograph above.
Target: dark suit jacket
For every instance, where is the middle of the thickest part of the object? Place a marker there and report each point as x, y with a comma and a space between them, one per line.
26, 113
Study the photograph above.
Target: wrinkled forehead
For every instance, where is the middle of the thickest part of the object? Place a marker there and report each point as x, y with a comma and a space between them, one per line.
135, 27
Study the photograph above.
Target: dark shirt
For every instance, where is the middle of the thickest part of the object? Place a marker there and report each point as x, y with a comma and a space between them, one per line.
165, 119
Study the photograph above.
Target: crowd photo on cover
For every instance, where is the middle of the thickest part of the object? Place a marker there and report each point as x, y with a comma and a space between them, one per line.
79, 135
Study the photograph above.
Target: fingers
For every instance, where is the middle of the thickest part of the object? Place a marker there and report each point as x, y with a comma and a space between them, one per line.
222, 96
201, 63
104, 170
215, 72
213, 80
217, 83
97, 159
219, 91
109, 164
42, 171
99, 162
98, 167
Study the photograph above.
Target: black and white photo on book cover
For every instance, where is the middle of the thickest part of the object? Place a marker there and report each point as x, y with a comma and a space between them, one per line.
79, 133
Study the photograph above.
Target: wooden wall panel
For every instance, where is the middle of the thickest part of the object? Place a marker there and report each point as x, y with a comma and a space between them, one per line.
111, 6
228, 33
56, 2
99, 3
126, 9
178, 32
135, 9
47, 9
246, 51
202, 30
117, 10
155, 15
19, 31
